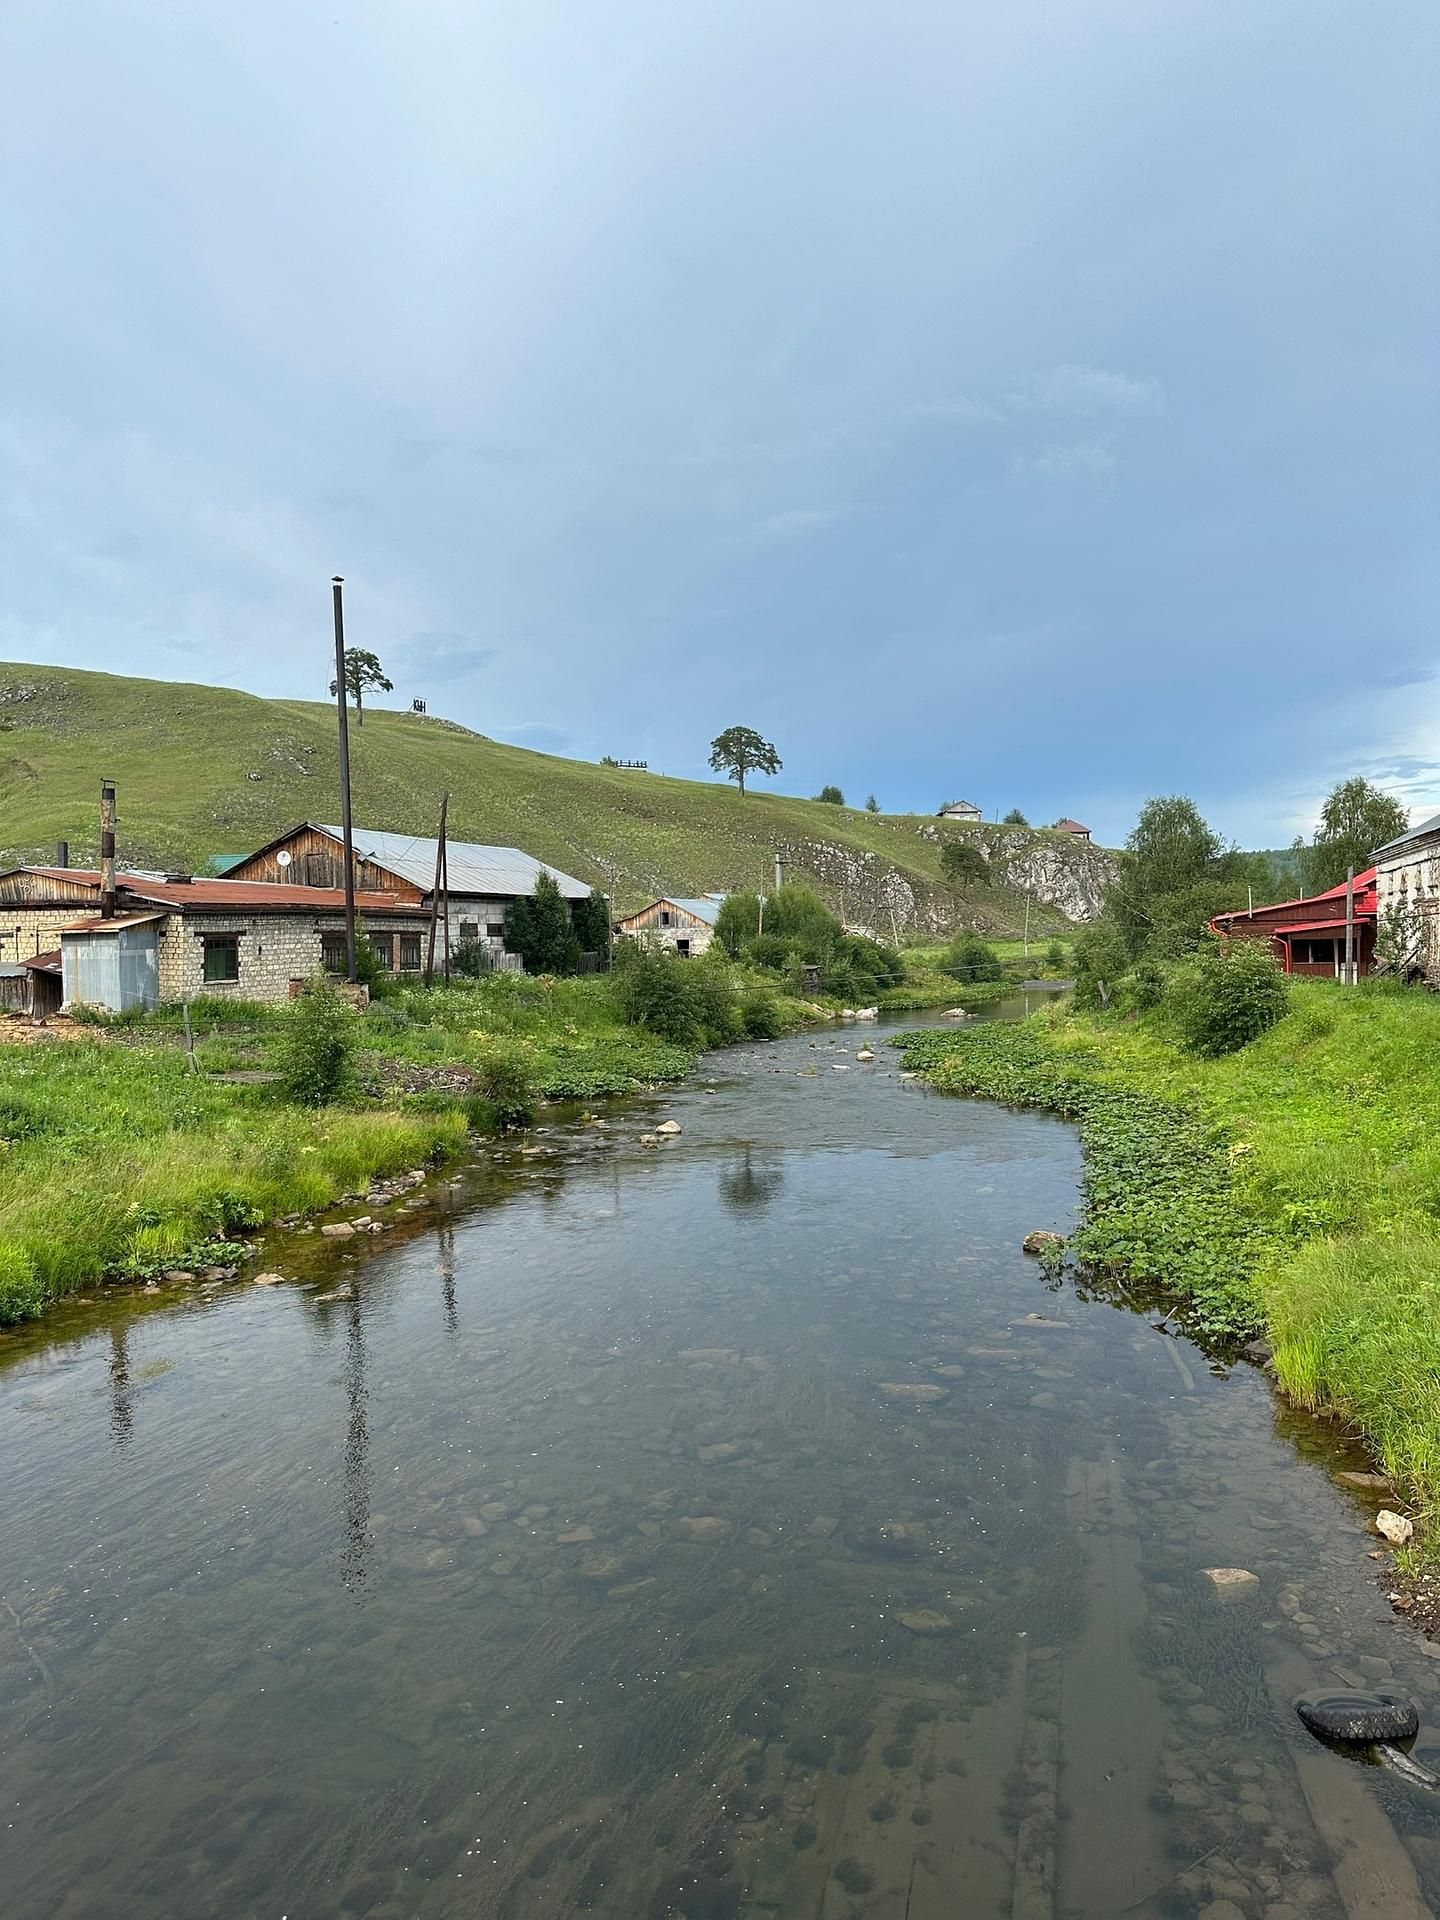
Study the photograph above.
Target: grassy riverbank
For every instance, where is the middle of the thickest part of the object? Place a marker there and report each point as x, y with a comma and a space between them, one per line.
116, 1160
1293, 1186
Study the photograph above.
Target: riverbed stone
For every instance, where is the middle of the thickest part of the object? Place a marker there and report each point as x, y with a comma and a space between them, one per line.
269, 1279
1232, 1583
1395, 1527
704, 1526
669, 1128
1041, 1240
919, 1395
338, 1230
925, 1620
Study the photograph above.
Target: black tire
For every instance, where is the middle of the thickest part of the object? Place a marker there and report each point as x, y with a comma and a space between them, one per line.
1360, 1719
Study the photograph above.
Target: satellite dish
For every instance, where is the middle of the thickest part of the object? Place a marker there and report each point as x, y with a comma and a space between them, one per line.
282, 859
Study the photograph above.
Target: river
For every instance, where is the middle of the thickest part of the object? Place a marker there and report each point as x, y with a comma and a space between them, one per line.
737, 1527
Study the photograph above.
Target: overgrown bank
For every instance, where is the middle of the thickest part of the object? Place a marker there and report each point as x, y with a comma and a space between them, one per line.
1292, 1185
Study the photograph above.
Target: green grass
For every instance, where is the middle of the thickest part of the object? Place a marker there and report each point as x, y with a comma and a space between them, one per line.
1308, 1164
205, 770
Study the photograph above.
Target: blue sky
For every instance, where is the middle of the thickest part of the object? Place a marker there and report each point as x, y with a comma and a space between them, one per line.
1035, 404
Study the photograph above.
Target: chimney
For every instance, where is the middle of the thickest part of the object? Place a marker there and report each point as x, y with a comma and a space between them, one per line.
779, 873
62, 853
107, 849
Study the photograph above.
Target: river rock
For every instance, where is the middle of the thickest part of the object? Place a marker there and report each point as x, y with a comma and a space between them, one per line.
721, 1450
919, 1395
669, 1128
1041, 1241
338, 1230
1395, 1527
1364, 1482
577, 1536
268, 1279
704, 1526
925, 1620
1232, 1583
649, 1140
1039, 1320
865, 1053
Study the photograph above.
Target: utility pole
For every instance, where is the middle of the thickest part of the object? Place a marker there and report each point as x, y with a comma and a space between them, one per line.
435, 899
1026, 936
347, 836
1350, 927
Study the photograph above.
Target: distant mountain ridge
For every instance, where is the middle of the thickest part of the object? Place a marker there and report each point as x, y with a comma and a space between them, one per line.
205, 771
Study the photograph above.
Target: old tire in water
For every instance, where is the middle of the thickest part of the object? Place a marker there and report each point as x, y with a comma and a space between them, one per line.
1360, 1719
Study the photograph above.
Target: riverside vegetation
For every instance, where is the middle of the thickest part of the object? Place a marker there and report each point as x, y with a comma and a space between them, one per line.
1267, 1152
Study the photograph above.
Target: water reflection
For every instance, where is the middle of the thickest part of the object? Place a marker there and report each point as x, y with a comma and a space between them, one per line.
445, 1267
355, 1471
122, 1407
745, 1188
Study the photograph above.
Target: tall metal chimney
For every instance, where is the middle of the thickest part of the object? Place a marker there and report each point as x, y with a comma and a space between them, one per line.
107, 849
779, 873
62, 853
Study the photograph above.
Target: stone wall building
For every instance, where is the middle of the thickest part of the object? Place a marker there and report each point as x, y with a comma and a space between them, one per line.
684, 924
1407, 894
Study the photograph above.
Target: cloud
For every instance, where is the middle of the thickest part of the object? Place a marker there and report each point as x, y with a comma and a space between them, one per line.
1085, 463
1088, 392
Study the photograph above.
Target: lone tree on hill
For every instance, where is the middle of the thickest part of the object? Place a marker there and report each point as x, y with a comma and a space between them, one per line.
1015, 818
740, 750
872, 805
1355, 819
963, 865
832, 796
362, 669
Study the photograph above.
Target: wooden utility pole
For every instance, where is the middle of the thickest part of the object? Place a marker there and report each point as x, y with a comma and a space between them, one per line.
336, 585
435, 899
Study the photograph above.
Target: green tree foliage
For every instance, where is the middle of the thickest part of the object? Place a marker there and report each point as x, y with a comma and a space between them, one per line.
801, 931
539, 929
1101, 962
740, 751
832, 796
590, 918
872, 805
507, 1078
971, 958
362, 670
315, 1054
1055, 956
797, 913
689, 1002
1175, 873
963, 864
1228, 995
1355, 819
738, 922
1015, 818
470, 960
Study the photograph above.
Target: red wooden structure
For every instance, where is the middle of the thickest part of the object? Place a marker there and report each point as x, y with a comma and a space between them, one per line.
1308, 936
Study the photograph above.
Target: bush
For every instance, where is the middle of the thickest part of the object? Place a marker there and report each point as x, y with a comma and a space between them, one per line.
760, 1014
832, 796
689, 1002
716, 1007
470, 960
590, 918
1101, 960
539, 929
737, 923
507, 1076
876, 962
1145, 988
774, 952
1055, 955
971, 958
21, 1294
1227, 996
316, 1053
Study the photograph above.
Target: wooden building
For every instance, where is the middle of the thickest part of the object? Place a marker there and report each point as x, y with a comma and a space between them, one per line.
685, 924
1308, 935
483, 881
1073, 828
959, 810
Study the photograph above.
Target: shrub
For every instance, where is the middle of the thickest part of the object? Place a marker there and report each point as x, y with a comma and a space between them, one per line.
773, 951
716, 1007
470, 960
737, 923
832, 796
879, 963
760, 1014
1101, 959
971, 958
1055, 955
1227, 996
507, 1076
653, 990
316, 1053
590, 918
1145, 988
21, 1294
539, 929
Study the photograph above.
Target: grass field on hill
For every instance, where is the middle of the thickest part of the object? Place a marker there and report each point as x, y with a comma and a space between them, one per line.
206, 770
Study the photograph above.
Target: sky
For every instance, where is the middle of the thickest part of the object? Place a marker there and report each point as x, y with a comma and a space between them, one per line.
1033, 404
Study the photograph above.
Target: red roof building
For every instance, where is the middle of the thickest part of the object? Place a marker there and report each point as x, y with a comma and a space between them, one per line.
1308, 935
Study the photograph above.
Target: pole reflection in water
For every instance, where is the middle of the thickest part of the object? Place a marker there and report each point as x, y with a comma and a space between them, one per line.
355, 1556
743, 1189
122, 1409
446, 1270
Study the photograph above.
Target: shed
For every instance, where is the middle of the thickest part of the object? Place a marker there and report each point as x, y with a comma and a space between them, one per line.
1308, 935
112, 964
959, 810
683, 922
1073, 828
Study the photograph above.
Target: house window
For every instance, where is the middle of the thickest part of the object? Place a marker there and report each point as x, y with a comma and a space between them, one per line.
682, 948
410, 953
469, 929
664, 916
221, 958
382, 946
495, 929
334, 957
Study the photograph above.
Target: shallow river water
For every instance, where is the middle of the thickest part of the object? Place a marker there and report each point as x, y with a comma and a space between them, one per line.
740, 1527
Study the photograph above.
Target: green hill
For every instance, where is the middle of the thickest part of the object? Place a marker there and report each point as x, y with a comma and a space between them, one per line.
202, 771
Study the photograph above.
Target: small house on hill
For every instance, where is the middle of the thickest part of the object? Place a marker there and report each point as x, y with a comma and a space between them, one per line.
1073, 828
171, 937
959, 810
483, 881
684, 924
1308, 935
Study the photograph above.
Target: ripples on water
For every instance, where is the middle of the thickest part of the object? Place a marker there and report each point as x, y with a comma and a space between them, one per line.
740, 1528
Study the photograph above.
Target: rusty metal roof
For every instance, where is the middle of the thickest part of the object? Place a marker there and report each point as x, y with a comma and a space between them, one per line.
233, 896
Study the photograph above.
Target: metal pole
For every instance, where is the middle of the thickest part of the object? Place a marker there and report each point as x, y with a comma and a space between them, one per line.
336, 585
1027, 927
1350, 928
107, 849
445, 889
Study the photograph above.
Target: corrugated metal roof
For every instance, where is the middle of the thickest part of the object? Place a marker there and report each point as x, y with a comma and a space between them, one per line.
1432, 825
494, 871
235, 896
704, 908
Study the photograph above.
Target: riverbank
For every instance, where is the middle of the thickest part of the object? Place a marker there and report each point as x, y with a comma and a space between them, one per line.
121, 1161
1292, 1188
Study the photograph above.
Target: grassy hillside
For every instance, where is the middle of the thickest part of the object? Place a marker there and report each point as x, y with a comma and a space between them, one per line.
205, 770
